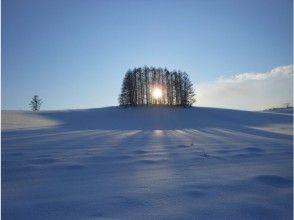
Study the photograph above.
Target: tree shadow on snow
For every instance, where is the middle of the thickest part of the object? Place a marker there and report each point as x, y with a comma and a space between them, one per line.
168, 118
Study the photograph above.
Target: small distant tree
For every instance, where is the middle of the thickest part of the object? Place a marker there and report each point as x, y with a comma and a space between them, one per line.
35, 103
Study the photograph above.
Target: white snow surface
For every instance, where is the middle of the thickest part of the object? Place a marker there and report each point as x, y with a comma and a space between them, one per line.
147, 163
12, 120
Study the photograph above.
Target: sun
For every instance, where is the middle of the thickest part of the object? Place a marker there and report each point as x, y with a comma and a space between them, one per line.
157, 93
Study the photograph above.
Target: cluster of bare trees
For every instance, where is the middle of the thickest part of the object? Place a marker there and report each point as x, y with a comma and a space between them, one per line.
139, 85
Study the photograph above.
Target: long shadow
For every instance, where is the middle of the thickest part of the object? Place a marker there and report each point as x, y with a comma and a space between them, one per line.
164, 118
151, 118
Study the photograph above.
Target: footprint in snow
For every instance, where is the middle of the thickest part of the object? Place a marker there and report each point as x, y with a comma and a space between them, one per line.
195, 193
253, 149
273, 180
44, 161
73, 167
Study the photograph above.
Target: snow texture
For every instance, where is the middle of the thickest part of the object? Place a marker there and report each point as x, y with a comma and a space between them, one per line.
147, 163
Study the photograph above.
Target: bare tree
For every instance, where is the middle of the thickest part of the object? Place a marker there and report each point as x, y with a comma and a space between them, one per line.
35, 103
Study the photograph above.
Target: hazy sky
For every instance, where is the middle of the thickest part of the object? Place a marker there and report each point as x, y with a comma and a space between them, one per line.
74, 53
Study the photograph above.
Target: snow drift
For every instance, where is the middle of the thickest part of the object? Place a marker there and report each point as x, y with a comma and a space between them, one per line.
150, 163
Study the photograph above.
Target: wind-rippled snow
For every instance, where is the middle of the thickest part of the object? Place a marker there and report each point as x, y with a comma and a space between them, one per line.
147, 163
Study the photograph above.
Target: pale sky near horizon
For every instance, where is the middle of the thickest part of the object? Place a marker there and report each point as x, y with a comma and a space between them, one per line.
74, 53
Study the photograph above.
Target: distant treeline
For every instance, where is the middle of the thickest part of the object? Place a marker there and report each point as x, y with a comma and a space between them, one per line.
139, 84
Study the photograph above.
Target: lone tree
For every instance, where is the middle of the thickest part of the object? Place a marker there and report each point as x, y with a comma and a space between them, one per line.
35, 103
156, 86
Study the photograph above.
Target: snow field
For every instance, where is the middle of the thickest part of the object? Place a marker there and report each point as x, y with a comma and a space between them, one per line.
112, 163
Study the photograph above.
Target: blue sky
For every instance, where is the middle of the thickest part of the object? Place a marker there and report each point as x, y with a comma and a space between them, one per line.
74, 53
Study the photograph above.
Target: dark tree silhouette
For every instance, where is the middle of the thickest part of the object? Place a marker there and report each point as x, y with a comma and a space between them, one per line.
35, 103
156, 86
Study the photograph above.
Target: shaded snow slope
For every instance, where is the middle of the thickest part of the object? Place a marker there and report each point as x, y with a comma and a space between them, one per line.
147, 163
142, 118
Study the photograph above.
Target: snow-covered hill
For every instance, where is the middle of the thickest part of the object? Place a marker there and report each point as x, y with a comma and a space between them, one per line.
148, 163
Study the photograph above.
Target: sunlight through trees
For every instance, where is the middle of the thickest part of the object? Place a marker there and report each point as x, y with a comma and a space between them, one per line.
156, 86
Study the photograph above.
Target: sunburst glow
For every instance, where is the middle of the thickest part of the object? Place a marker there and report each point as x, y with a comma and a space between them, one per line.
157, 93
